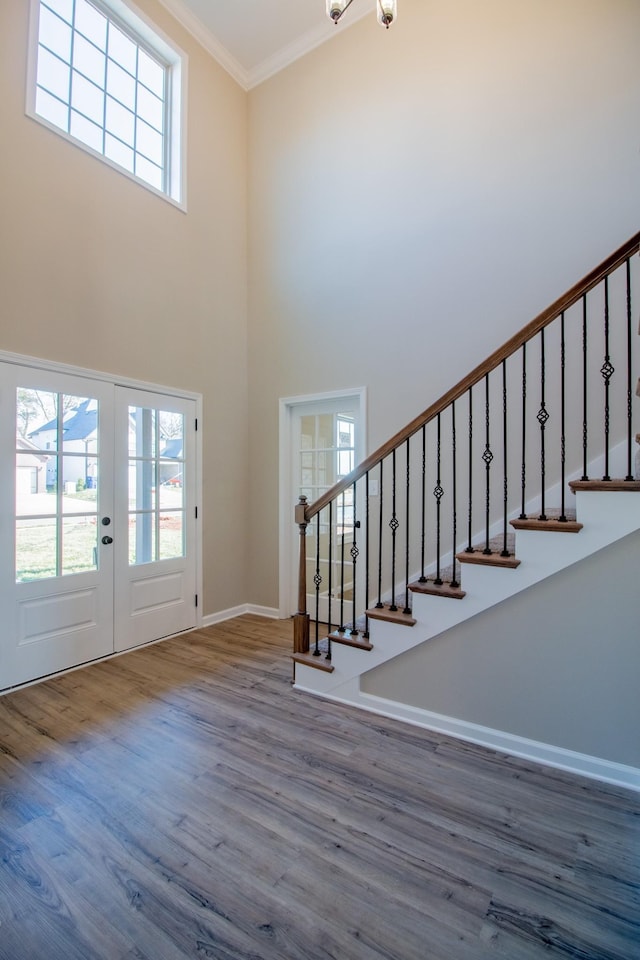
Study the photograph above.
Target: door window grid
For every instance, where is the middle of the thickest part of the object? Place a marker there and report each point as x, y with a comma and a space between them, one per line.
56, 471
327, 454
156, 485
105, 87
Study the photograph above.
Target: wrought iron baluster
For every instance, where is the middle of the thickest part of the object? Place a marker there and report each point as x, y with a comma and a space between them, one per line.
454, 486
407, 608
366, 555
438, 493
379, 604
523, 475
341, 627
393, 524
487, 456
629, 475
607, 370
354, 556
542, 418
423, 534
505, 481
329, 598
563, 438
585, 475
317, 579
469, 547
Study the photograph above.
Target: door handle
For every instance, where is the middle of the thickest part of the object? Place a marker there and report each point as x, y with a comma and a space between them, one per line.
107, 539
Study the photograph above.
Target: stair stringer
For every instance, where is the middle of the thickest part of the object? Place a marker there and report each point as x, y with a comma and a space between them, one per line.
606, 516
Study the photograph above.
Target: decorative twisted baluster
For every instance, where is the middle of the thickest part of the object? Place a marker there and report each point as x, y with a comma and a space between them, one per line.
380, 604
542, 418
487, 456
607, 370
317, 580
393, 524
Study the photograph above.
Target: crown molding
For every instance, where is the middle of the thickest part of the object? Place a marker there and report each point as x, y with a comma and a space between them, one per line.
206, 39
251, 77
301, 46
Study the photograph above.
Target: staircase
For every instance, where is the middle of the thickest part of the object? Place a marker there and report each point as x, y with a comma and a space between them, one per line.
524, 453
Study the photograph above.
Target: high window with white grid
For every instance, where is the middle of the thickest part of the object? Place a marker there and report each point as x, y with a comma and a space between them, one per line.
106, 80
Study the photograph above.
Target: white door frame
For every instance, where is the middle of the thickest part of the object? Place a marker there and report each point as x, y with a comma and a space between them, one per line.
40, 363
287, 564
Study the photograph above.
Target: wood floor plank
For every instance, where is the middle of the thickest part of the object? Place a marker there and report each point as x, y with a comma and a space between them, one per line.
183, 801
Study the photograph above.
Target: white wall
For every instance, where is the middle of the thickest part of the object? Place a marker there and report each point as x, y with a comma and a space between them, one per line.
98, 272
418, 195
558, 664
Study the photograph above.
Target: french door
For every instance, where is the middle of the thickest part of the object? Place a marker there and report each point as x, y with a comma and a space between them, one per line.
325, 443
97, 540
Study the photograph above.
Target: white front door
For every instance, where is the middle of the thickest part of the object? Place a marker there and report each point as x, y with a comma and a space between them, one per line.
56, 573
97, 536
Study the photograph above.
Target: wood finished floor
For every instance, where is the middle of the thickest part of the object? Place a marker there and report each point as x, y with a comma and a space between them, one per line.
183, 801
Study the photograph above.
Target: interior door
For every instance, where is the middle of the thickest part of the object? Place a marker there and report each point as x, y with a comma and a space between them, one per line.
56, 556
155, 530
326, 444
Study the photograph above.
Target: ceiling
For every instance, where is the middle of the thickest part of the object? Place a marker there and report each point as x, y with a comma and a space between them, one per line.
253, 39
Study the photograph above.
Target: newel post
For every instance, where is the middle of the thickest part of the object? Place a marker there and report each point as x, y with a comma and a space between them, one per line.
301, 618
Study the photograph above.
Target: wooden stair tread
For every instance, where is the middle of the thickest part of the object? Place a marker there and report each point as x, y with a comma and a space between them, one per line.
488, 559
392, 616
309, 660
349, 640
617, 485
437, 590
551, 524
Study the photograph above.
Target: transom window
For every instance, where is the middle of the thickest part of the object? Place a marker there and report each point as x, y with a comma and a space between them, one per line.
110, 87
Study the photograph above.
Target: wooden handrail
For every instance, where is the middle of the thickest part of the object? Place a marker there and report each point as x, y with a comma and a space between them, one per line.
547, 316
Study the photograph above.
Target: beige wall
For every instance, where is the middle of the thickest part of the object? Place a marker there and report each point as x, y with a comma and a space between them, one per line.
558, 664
417, 195
98, 272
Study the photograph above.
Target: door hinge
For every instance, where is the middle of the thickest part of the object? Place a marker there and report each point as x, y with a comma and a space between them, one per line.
196, 599
196, 513
196, 423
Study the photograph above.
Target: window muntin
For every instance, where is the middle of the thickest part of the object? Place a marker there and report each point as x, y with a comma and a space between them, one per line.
118, 92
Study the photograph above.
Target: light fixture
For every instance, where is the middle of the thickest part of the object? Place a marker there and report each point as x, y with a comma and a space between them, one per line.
387, 10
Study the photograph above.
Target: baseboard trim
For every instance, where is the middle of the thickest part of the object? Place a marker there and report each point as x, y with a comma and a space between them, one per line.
212, 618
596, 768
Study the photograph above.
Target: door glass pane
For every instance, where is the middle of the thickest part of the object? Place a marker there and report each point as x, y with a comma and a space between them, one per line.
142, 538
36, 549
36, 418
171, 536
32, 497
156, 474
79, 544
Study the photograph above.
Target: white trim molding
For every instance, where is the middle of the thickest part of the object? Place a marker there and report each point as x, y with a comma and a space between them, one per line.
231, 612
596, 768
